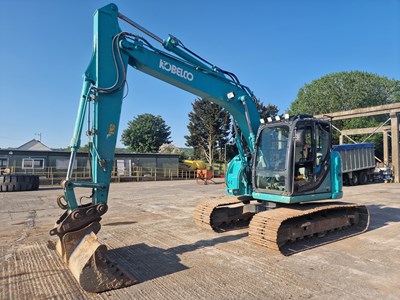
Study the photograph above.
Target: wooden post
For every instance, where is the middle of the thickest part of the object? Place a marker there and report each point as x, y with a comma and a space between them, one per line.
385, 148
395, 146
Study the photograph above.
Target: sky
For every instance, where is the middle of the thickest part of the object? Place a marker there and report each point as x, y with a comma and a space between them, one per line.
273, 46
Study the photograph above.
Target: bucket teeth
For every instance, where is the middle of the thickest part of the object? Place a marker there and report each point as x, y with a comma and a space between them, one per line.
88, 262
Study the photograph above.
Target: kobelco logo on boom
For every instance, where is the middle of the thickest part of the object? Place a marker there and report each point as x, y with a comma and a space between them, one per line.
166, 66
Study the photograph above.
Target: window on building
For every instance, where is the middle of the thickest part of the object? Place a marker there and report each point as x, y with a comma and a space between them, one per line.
3, 162
33, 163
62, 164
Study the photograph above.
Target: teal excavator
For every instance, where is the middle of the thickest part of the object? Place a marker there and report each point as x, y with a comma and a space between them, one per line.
283, 166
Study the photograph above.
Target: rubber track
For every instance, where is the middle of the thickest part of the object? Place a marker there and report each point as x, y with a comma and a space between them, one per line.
264, 227
203, 212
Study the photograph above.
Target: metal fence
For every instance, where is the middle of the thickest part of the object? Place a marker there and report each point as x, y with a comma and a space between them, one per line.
53, 176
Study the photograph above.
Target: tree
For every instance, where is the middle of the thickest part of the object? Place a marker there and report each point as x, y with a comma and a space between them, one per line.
209, 126
83, 149
187, 153
146, 133
172, 149
266, 111
345, 91
169, 149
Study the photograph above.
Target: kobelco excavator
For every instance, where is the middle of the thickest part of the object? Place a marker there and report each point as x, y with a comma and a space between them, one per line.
282, 165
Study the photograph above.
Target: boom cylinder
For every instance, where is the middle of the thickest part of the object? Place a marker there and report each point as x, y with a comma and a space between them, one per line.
142, 29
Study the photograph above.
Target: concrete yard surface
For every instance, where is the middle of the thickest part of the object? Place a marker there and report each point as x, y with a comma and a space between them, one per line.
149, 231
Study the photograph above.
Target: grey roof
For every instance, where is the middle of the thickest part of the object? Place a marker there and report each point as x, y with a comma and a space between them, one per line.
34, 145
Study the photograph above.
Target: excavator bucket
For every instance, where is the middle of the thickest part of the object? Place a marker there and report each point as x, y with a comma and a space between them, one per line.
88, 262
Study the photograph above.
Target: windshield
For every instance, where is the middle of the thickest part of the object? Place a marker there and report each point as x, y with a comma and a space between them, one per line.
270, 164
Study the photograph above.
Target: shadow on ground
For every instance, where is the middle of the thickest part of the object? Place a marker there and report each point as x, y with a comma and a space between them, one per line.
50, 188
145, 262
381, 215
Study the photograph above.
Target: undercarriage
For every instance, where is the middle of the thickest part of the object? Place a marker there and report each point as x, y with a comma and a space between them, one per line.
284, 229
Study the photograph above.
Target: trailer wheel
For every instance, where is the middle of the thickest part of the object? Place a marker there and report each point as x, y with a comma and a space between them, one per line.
13, 183
346, 179
363, 178
354, 180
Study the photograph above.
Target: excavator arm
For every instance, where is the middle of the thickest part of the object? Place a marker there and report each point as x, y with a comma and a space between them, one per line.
100, 104
103, 89
278, 171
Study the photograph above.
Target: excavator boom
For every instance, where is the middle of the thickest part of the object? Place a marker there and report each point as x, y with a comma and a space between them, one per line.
283, 164
101, 101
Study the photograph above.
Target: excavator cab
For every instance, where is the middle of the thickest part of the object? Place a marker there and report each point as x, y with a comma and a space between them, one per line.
292, 165
293, 161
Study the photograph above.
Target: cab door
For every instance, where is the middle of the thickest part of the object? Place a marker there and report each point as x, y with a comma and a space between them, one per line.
312, 144
304, 157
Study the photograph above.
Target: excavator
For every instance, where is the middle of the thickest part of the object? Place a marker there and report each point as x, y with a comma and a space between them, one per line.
283, 185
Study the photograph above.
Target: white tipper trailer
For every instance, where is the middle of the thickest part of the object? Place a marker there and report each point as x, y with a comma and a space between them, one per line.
358, 162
